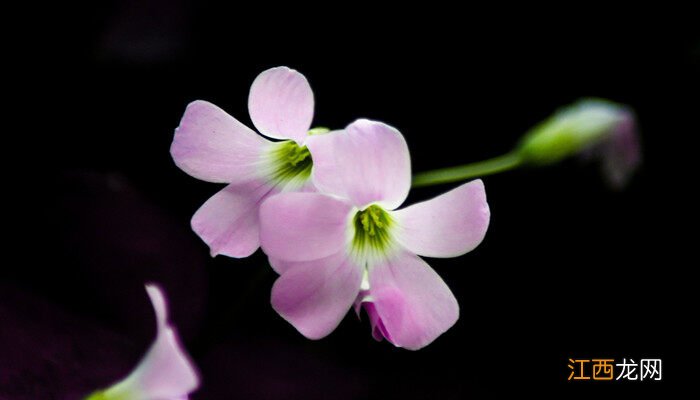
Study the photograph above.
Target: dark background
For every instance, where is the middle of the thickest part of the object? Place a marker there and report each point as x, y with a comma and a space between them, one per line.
95, 206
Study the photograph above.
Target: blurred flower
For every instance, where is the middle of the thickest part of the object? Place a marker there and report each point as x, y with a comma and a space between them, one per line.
594, 128
213, 146
349, 245
164, 373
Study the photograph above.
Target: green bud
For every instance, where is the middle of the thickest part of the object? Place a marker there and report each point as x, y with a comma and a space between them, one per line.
569, 131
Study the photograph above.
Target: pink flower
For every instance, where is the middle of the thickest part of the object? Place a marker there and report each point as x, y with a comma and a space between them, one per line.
164, 373
349, 245
213, 146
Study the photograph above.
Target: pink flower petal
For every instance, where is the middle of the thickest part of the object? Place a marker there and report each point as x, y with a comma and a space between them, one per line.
314, 296
280, 265
379, 332
281, 104
414, 304
303, 226
165, 372
159, 305
368, 162
228, 221
621, 153
213, 146
449, 225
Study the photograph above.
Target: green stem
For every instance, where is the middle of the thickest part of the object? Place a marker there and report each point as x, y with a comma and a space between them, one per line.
491, 166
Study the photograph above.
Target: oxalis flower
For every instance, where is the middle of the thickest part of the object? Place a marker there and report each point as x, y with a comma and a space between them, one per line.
349, 245
164, 373
213, 146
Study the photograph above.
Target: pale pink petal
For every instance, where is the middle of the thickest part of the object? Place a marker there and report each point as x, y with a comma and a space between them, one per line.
159, 305
213, 146
367, 162
281, 104
165, 372
621, 153
379, 332
449, 225
228, 221
314, 296
413, 303
280, 266
303, 226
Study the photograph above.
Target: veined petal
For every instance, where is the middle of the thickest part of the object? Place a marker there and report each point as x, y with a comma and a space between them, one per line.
281, 104
165, 372
367, 162
449, 225
213, 146
228, 222
303, 226
314, 296
414, 304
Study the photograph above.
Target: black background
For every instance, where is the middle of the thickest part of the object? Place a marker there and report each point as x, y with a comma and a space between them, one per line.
568, 269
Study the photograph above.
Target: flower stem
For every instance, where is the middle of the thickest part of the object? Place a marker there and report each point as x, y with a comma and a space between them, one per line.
491, 166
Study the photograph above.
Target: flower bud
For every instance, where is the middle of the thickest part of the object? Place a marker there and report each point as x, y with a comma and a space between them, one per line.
593, 127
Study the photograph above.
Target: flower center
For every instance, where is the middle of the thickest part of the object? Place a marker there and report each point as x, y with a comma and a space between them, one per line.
291, 164
372, 237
